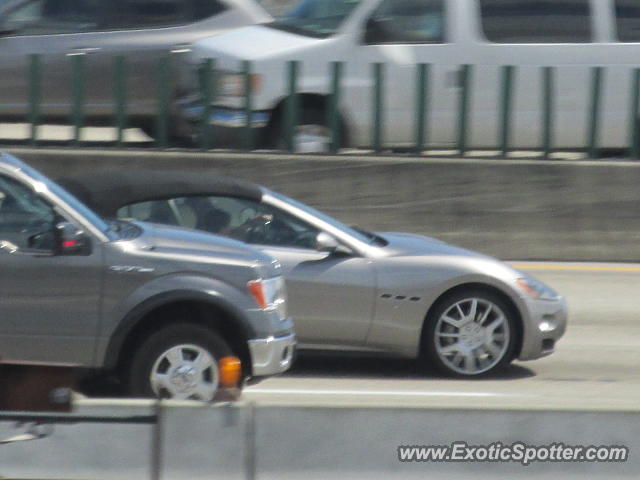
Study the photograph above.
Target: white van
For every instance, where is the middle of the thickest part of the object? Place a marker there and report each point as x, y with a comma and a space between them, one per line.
571, 35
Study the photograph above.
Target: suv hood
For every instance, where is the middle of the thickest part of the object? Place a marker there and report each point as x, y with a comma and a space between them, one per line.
252, 43
179, 241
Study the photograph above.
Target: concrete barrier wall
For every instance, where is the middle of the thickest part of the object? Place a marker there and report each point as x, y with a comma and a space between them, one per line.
312, 442
537, 210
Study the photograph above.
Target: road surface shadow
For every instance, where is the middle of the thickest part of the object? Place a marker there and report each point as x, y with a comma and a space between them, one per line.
344, 365
331, 365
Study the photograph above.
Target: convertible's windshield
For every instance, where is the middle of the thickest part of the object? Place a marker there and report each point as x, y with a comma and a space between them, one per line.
316, 18
325, 218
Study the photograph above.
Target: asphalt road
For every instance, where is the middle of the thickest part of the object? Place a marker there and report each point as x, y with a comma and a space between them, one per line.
596, 364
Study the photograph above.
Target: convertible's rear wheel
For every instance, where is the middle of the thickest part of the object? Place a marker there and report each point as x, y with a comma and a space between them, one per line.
180, 362
470, 333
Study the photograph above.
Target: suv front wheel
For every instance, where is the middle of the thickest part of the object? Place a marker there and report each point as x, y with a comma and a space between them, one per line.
179, 362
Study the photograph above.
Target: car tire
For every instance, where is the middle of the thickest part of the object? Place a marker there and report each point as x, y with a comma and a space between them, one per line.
179, 361
470, 333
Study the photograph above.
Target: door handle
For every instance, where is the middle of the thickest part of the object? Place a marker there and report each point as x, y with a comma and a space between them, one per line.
83, 51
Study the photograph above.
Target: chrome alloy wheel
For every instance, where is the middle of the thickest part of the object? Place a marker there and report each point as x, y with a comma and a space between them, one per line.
185, 372
472, 336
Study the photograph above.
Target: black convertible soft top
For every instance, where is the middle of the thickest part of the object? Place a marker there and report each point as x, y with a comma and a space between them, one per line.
108, 191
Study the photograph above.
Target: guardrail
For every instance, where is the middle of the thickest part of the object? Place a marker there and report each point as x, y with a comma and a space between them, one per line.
329, 440
420, 92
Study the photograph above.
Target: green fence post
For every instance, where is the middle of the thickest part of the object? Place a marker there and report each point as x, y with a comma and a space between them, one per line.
207, 91
378, 110
291, 105
34, 95
463, 108
505, 108
547, 110
594, 114
334, 106
77, 105
422, 94
248, 133
634, 121
120, 94
162, 96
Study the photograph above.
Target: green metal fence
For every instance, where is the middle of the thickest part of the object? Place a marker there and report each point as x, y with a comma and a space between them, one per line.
208, 139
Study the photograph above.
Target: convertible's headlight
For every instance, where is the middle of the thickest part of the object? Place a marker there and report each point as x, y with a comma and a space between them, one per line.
232, 84
270, 294
536, 289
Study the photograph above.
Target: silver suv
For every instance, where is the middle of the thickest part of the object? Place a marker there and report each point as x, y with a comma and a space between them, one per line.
160, 306
141, 30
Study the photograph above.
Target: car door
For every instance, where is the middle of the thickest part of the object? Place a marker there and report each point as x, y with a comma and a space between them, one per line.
331, 295
49, 304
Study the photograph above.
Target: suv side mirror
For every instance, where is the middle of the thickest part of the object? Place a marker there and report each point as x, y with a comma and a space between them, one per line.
69, 240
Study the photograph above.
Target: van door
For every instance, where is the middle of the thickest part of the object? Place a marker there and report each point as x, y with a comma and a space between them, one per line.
401, 34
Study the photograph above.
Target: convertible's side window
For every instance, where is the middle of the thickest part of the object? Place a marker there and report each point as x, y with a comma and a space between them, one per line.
238, 218
257, 223
26, 220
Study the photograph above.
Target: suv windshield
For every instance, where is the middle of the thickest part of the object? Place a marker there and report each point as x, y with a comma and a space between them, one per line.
316, 18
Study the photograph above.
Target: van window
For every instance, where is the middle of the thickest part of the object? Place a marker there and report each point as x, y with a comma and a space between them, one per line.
139, 14
48, 17
628, 20
536, 21
314, 18
407, 21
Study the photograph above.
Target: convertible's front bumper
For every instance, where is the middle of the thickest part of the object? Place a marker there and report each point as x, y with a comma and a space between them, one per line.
272, 355
545, 325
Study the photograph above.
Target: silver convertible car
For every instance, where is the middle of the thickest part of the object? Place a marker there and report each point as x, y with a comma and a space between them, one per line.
464, 313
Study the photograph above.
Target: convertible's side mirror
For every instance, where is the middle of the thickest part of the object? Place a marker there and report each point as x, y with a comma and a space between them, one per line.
326, 243
70, 240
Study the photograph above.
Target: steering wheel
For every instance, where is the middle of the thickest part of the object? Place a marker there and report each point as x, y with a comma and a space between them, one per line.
257, 230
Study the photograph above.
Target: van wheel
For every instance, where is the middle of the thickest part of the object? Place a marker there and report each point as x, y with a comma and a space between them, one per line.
470, 333
311, 135
179, 362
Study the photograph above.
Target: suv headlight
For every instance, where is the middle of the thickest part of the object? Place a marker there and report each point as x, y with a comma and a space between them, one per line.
270, 294
232, 84
536, 289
